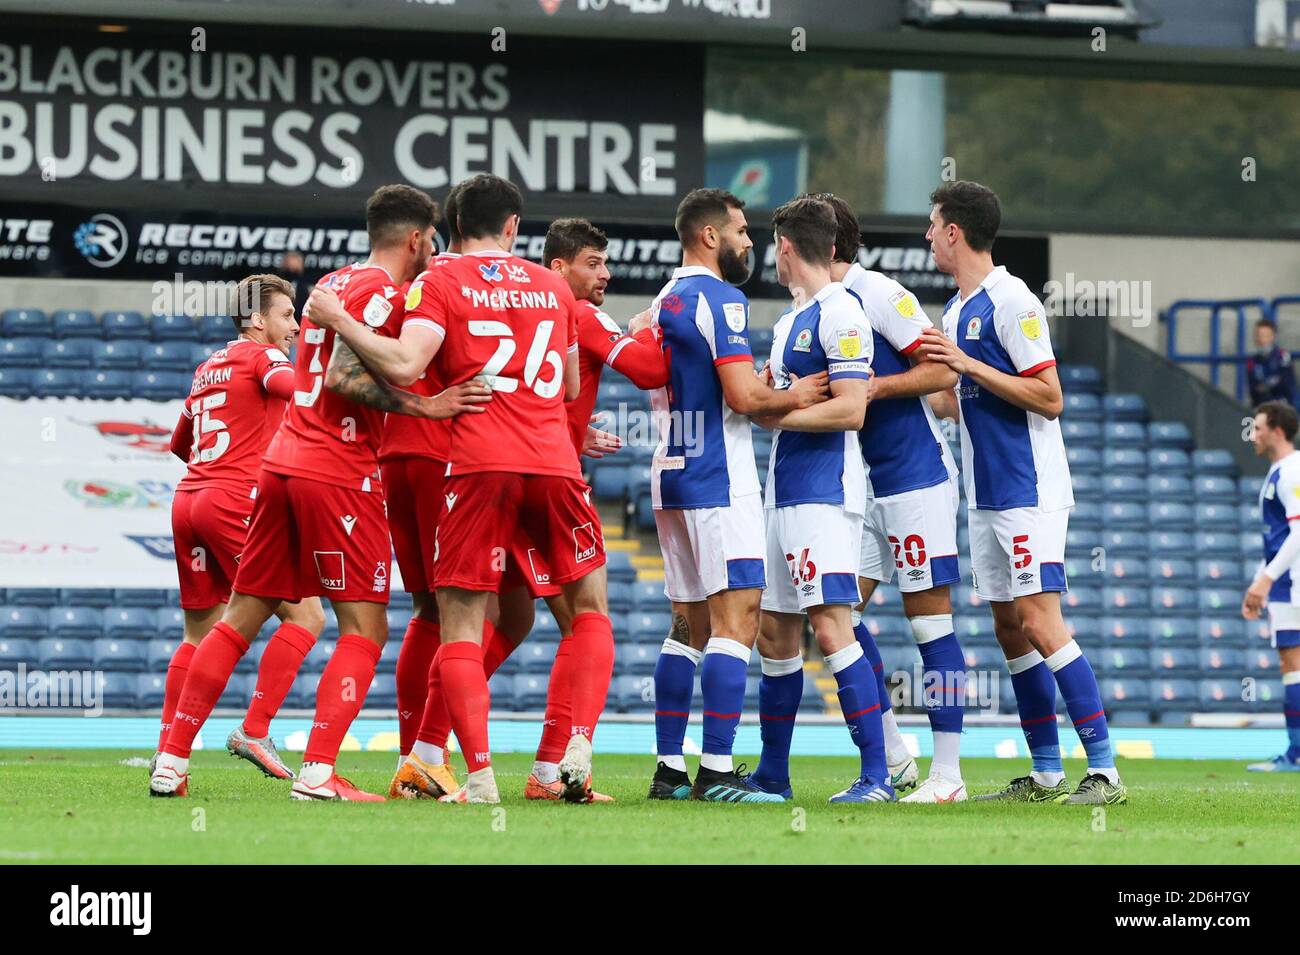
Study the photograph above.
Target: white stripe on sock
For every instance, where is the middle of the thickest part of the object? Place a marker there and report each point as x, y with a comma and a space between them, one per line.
1291, 679
840, 659
780, 667
732, 648
930, 627
673, 648
1027, 662
1064, 656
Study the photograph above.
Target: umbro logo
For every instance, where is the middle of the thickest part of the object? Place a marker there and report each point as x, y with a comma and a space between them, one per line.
490, 273
348, 521
916, 573
451, 500
1025, 577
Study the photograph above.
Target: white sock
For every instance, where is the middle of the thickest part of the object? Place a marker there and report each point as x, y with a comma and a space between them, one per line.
947, 756
674, 762
180, 765
546, 772
400, 760
1047, 779
315, 774
428, 752
1110, 772
717, 762
896, 750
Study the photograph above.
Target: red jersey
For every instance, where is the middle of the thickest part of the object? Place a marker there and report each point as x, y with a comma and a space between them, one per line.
601, 342
409, 436
513, 323
326, 437
235, 405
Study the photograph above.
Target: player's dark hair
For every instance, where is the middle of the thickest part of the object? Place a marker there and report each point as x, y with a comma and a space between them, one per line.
848, 234
484, 204
567, 237
393, 211
1279, 414
450, 209
703, 207
1266, 323
809, 224
973, 208
255, 294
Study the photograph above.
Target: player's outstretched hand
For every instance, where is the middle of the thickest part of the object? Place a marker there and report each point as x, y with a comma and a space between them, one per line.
1256, 598
810, 390
324, 309
936, 346
599, 443
469, 397
639, 321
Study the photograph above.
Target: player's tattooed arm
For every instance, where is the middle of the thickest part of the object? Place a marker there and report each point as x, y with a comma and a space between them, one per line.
349, 377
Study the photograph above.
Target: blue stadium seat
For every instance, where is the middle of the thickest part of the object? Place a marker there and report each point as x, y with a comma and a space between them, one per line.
119, 326
76, 323
141, 597
981, 656
1259, 662
1221, 631
237, 693
619, 566
320, 653
382, 694
1175, 543
76, 622
1121, 514
72, 353
174, 328
167, 356
1167, 513
199, 354
648, 595
127, 656
1214, 516
16, 650
1082, 406
636, 658
123, 355
649, 627
1122, 406
24, 352
1083, 599
1081, 433
150, 689
100, 597
1122, 543
1220, 660
1214, 461
16, 383
119, 690
1124, 462
887, 627
1079, 541
1087, 487
1169, 487
1083, 459
609, 480
545, 627
106, 384
1080, 378
1117, 485
1124, 434
1169, 434
1251, 544
1248, 488
130, 623
217, 329
1214, 487
1125, 600
1122, 662
1258, 633
1217, 544
535, 656
1166, 599
171, 623
1162, 460
620, 597
1174, 661
1174, 572
635, 694
530, 691
1219, 693
25, 323
160, 385
1122, 571
158, 654
1175, 693
1124, 695
1249, 516
55, 383
1165, 630
24, 621
64, 653
1125, 631
1087, 513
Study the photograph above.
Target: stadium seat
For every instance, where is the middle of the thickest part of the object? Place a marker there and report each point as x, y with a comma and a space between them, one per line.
1214, 461
141, 597
100, 597
200, 353
1122, 662
1087, 487
1124, 434
620, 597
237, 693
106, 384
217, 329
530, 691
1216, 600
119, 689
1120, 542
116, 354
1087, 513
1173, 693
16, 650
1169, 488
1220, 660
648, 596
382, 694
981, 657
1126, 631
1214, 487
1172, 543
158, 654
1165, 630
1081, 433
1083, 460
76, 622
1248, 488
160, 385
55, 383
126, 656
24, 352
64, 653
1121, 406
1219, 693
70, 323
1249, 516
887, 627
1214, 516
535, 656
167, 356
1165, 599
16, 383
1125, 600
1258, 632
1217, 544
1079, 542
174, 328
619, 566
1121, 514
1174, 660
171, 623
130, 623
1169, 434
119, 326
1124, 694
1221, 631
1260, 662
1169, 460
545, 627
1123, 462
1167, 513
1083, 599
72, 353
648, 627
635, 694
1082, 406
1174, 572
636, 658
1251, 544
1084, 378
25, 323
1127, 570
150, 690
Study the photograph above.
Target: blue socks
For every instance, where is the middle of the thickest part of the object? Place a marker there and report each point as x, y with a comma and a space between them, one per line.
674, 686
941, 655
1083, 702
779, 693
722, 684
872, 653
860, 702
1291, 707
1036, 700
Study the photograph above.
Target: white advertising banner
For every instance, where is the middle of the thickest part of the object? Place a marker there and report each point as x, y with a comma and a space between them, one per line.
88, 497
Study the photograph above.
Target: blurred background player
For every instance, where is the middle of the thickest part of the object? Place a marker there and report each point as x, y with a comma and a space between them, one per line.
319, 493
1276, 586
911, 525
707, 503
816, 499
1269, 371
513, 484
235, 406
1018, 490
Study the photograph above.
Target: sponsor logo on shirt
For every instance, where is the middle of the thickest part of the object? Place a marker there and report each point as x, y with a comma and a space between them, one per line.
672, 303
1030, 325
518, 274
490, 273
734, 315
850, 343
903, 303
413, 296
377, 311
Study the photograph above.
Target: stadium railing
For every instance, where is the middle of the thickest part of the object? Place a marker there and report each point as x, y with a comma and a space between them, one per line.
1221, 312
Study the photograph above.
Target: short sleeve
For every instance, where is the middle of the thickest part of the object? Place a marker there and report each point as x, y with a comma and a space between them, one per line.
269, 361
901, 320
378, 307
426, 303
846, 339
575, 324
723, 320
599, 334
1288, 492
1022, 328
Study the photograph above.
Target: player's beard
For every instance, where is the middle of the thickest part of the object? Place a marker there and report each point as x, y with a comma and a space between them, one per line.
596, 296
733, 265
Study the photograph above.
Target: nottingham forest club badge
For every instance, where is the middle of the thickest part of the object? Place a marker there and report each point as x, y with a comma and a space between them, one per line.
973, 328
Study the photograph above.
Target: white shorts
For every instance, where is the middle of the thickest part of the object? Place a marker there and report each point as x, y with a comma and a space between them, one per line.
811, 549
1284, 624
915, 534
1017, 552
711, 549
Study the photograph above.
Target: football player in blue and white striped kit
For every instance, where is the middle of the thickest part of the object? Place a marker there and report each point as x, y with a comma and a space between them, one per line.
815, 501
1277, 584
1018, 491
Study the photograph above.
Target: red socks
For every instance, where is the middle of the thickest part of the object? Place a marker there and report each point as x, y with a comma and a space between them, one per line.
414, 662
210, 668
176, 670
558, 725
436, 723
465, 688
342, 691
592, 666
281, 661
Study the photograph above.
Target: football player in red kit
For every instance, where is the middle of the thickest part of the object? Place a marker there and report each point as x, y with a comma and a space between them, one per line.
235, 405
513, 483
319, 493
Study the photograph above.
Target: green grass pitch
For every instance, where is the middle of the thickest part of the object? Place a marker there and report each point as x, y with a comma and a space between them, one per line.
83, 806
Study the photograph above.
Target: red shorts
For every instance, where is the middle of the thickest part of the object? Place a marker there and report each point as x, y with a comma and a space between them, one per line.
413, 493
542, 526
311, 539
209, 525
